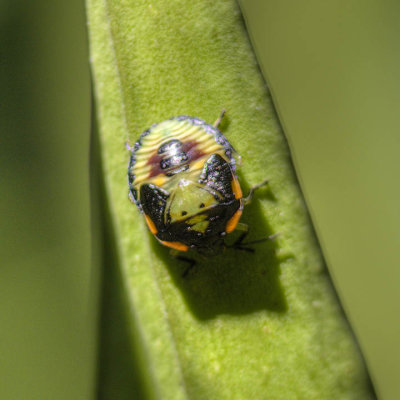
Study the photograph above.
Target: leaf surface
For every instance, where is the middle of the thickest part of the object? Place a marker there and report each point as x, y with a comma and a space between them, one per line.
239, 325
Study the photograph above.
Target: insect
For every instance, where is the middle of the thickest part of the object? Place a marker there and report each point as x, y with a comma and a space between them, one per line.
182, 177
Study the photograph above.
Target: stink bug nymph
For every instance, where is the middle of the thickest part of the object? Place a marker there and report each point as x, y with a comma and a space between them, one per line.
182, 176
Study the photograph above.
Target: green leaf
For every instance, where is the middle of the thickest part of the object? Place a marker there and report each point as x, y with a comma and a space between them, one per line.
240, 325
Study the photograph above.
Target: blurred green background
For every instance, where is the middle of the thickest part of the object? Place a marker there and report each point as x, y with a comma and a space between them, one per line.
47, 314
333, 70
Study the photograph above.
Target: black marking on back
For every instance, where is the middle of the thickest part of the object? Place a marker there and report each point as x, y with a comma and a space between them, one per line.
217, 174
218, 216
154, 200
171, 146
174, 159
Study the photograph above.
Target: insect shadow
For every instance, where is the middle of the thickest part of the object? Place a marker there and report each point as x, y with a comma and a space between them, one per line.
234, 282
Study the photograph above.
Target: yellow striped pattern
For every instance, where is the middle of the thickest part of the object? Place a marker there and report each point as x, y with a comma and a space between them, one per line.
184, 131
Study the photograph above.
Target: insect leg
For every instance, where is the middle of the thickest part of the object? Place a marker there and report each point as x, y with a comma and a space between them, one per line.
239, 245
128, 146
191, 263
247, 200
219, 119
270, 237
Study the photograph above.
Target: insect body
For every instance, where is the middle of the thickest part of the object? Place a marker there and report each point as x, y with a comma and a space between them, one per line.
182, 177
